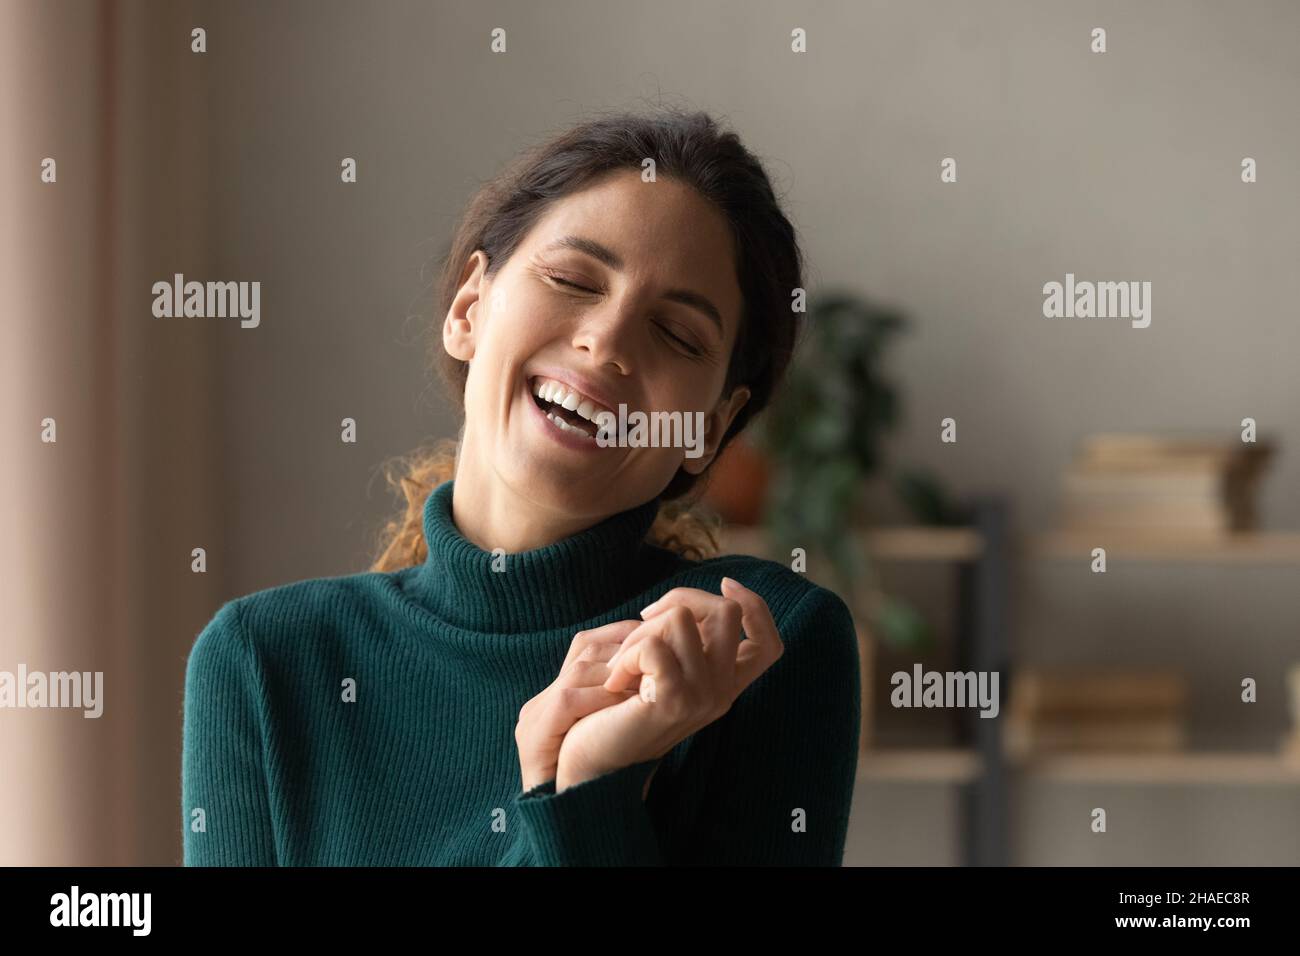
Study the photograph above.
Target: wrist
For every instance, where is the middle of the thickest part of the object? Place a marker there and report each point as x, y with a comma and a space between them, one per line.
567, 777
570, 776
532, 776
563, 781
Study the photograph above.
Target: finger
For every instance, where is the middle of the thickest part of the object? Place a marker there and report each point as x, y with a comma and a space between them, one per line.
583, 673
722, 639
682, 634
719, 619
651, 658
659, 626
570, 704
612, 633
592, 654
640, 633
588, 670
637, 634
763, 644
661, 675
699, 601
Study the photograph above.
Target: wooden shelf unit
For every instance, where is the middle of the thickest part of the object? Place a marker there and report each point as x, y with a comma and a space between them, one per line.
957, 765
1191, 767
1256, 547
918, 765
981, 769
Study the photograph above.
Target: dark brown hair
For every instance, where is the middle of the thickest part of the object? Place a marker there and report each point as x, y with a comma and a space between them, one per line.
689, 147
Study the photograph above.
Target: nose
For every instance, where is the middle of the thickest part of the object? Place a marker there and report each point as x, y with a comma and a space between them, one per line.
606, 336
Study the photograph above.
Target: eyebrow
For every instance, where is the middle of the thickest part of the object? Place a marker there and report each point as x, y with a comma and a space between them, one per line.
610, 258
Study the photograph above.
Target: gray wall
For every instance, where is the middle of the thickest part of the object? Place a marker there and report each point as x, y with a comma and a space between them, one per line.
1117, 166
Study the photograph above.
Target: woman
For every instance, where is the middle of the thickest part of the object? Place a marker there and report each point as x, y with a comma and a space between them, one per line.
541, 669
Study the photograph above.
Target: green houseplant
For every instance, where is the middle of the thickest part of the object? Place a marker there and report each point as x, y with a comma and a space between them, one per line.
824, 437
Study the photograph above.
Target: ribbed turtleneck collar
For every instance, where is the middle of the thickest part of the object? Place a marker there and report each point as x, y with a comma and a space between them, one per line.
575, 579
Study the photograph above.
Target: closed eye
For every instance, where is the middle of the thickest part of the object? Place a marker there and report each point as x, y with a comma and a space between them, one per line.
678, 340
565, 282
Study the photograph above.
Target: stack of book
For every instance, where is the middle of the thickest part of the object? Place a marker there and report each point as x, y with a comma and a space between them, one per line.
1153, 483
1093, 712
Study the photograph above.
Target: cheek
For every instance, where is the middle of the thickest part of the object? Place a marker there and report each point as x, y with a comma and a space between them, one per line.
690, 389
520, 318
475, 387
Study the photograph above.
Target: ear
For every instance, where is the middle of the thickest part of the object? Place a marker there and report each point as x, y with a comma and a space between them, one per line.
462, 322
716, 424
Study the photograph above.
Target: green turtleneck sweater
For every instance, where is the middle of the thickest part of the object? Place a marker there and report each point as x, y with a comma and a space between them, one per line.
369, 719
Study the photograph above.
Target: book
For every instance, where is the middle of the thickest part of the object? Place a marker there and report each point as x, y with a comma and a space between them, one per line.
1204, 517
1141, 482
1038, 692
1024, 736
1164, 451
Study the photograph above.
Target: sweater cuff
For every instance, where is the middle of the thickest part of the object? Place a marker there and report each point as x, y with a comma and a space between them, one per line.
599, 822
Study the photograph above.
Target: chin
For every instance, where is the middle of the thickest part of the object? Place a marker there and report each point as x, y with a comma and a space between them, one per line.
556, 485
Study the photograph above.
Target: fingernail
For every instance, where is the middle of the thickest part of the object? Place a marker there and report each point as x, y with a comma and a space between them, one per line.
649, 607
731, 581
610, 663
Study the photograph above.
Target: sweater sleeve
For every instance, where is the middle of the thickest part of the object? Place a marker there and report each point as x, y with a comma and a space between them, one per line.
781, 787
226, 816
599, 822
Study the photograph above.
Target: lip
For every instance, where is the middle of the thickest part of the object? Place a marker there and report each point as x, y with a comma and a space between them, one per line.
576, 382
567, 439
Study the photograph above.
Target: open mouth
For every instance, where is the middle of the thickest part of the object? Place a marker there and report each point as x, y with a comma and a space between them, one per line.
568, 409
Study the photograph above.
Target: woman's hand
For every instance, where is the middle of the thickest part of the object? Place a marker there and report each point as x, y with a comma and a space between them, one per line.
685, 664
576, 691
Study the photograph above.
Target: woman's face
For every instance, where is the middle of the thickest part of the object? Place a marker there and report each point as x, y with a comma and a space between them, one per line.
624, 293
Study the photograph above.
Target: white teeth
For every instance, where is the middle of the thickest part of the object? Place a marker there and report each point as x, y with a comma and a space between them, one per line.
565, 426
568, 399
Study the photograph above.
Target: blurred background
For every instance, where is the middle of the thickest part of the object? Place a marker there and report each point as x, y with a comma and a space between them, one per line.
964, 545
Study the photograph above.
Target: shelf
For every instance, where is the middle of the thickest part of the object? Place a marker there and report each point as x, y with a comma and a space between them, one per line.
1192, 767
903, 543
1271, 547
918, 765
958, 765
